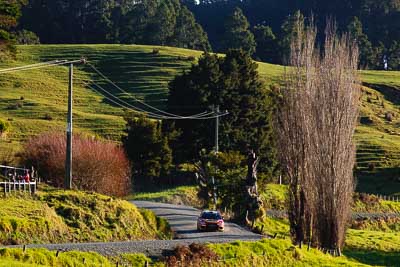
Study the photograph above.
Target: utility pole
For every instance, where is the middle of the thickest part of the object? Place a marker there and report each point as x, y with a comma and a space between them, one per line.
68, 161
216, 112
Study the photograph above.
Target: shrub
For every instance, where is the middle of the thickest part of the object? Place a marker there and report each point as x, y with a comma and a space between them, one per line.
17, 105
389, 116
155, 51
371, 167
97, 166
148, 149
4, 126
25, 37
194, 255
48, 117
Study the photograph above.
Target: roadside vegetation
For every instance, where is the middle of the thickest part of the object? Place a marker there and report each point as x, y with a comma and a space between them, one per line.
54, 216
30, 108
10, 257
181, 195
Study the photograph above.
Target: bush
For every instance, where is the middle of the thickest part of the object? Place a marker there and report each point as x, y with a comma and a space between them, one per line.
371, 167
48, 117
155, 51
17, 105
4, 127
97, 166
25, 37
194, 255
389, 116
147, 148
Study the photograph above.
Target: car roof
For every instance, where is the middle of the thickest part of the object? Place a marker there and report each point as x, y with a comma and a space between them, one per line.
210, 211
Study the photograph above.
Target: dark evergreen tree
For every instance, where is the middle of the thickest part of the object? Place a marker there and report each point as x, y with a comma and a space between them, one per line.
10, 11
188, 33
146, 147
394, 56
289, 31
162, 25
366, 52
267, 44
237, 33
232, 83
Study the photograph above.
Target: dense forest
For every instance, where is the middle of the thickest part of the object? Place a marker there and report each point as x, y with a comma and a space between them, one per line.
260, 27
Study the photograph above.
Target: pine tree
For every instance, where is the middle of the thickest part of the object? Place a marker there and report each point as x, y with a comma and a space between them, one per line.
188, 33
267, 48
232, 83
288, 32
146, 147
162, 25
366, 52
10, 11
237, 34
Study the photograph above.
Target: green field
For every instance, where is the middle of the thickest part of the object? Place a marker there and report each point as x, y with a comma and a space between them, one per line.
36, 101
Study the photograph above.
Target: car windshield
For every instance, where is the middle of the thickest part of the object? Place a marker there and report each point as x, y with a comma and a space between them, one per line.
211, 216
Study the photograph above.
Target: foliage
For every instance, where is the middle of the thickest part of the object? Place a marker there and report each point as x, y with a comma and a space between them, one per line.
193, 255
10, 257
266, 44
4, 126
43, 257
237, 33
145, 75
143, 22
275, 196
275, 252
227, 173
147, 148
97, 166
10, 11
181, 195
234, 84
25, 37
355, 30
55, 216
379, 21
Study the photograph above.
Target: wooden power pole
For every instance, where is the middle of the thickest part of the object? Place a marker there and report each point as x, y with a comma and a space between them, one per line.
68, 161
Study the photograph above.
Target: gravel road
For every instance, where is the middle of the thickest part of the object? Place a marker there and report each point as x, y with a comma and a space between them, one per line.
183, 222
183, 219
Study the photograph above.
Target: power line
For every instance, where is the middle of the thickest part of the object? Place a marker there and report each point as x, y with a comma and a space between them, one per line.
207, 116
47, 64
142, 102
29, 66
140, 110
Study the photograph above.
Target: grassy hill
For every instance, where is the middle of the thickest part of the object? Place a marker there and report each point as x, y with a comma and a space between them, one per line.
35, 101
57, 216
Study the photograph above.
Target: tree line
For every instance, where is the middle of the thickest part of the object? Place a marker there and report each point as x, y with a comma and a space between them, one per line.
262, 28
164, 22
373, 23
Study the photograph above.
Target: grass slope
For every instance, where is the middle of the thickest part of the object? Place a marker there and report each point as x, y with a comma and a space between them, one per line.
35, 101
42, 257
55, 216
182, 195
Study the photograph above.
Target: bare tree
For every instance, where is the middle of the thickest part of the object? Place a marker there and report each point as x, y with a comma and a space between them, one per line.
316, 123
